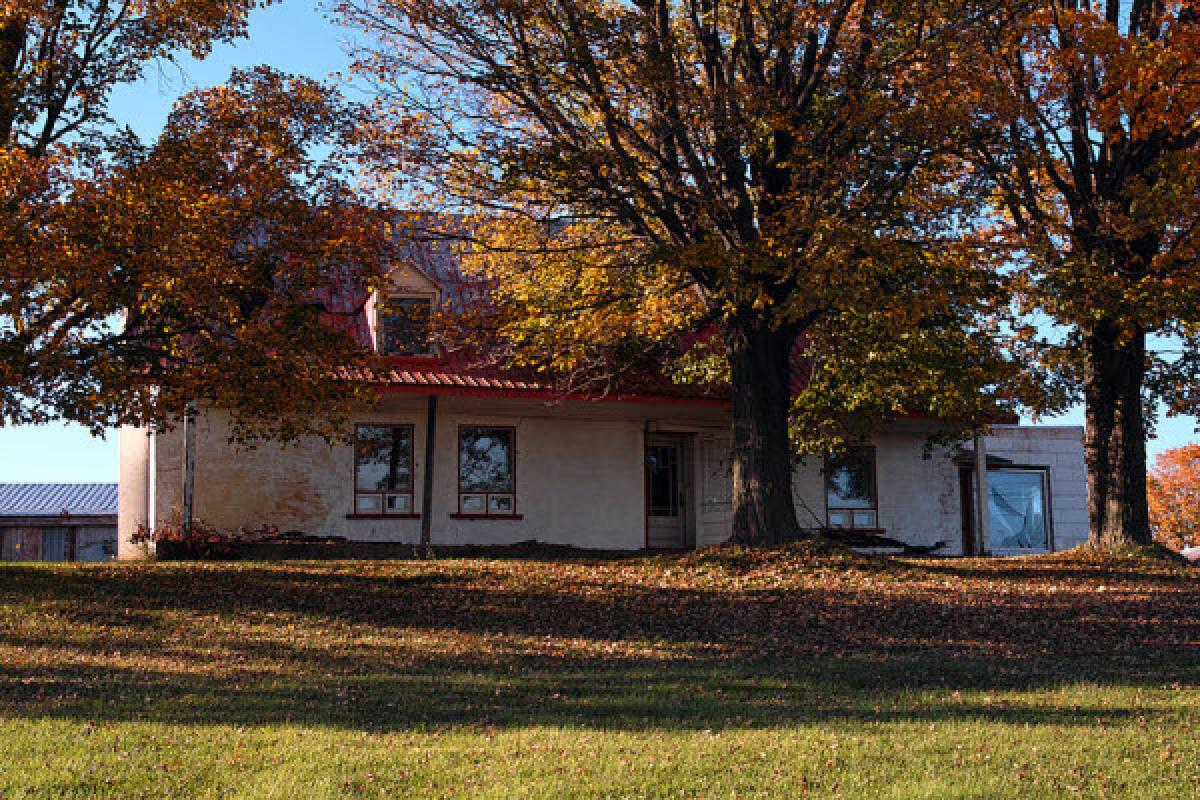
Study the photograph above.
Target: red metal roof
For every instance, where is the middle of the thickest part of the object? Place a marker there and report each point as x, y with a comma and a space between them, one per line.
434, 376
459, 372
448, 376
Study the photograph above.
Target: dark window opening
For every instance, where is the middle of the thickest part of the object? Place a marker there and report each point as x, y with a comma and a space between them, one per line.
850, 492
383, 469
662, 462
404, 326
486, 474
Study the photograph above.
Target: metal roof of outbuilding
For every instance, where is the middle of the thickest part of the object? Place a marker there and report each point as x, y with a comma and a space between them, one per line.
56, 499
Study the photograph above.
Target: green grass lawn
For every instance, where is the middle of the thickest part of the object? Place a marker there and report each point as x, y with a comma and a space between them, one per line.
721, 674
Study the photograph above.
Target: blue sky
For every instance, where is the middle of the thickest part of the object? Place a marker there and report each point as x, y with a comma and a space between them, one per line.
294, 36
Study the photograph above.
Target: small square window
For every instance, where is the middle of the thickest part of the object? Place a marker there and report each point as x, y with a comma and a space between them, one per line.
864, 519
399, 504
368, 504
472, 503
839, 519
404, 326
501, 504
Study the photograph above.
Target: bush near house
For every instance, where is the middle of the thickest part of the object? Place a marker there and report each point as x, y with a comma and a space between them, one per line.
205, 542
172, 541
724, 673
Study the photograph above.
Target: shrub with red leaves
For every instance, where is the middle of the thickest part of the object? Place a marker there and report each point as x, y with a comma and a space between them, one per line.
204, 542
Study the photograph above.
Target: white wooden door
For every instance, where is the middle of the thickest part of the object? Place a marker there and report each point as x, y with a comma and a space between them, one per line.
666, 492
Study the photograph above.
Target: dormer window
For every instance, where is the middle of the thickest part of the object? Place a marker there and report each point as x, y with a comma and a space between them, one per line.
403, 326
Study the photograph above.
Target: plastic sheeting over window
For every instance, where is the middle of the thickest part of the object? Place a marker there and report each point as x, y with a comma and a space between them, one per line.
1017, 508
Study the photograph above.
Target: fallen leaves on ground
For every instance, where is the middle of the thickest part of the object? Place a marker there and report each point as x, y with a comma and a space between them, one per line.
720, 605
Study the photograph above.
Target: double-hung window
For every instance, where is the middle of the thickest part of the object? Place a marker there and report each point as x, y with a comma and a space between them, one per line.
850, 492
383, 469
486, 471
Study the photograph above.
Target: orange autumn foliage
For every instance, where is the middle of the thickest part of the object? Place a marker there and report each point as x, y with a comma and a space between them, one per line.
138, 277
1085, 120
1174, 490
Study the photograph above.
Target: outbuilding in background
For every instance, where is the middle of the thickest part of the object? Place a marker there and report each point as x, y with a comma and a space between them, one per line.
58, 521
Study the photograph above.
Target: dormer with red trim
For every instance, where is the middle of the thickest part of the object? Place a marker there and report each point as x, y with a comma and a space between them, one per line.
400, 315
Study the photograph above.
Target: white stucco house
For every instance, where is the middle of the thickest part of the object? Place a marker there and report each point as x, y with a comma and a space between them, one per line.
483, 458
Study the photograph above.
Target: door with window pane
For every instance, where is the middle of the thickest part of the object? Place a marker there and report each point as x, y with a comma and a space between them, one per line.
666, 492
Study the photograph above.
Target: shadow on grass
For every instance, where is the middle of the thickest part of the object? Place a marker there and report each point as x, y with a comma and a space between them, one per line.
441, 646
666, 697
1030, 570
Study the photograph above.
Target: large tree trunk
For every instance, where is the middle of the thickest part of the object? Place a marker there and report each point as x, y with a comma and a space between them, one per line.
759, 357
1115, 442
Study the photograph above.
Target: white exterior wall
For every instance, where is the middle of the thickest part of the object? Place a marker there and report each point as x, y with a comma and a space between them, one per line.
919, 499
917, 496
714, 487
579, 477
579, 474
808, 492
133, 499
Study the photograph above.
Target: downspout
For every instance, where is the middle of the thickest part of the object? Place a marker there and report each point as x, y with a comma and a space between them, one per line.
983, 535
189, 469
151, 481
427, 482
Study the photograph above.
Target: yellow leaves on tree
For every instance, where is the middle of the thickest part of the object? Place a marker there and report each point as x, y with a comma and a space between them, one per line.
579, 300
1085, 119
669, 171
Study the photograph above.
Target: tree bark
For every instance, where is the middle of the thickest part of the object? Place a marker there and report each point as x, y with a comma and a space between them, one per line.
12, 42
1115, 440
763, 509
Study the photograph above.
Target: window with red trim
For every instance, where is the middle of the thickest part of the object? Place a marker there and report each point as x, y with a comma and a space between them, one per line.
383, 469
486, 471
